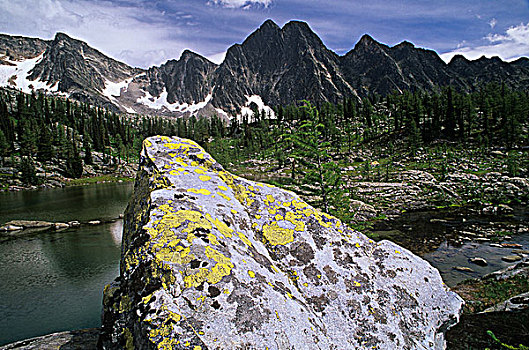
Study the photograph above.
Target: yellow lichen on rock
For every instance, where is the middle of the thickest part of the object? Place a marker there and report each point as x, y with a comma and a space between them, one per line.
129, 340
199, 191
222, 268
294, 218
277, 235
244, 239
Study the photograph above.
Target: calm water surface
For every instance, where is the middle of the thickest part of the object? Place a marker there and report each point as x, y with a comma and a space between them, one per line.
53, 281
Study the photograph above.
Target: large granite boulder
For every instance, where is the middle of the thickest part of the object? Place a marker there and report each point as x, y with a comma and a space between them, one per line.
213, 261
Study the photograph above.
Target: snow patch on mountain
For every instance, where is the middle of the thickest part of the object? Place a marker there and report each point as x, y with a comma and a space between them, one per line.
15, 75
161, 102
130, 110
221, 114
246, 110
114, 89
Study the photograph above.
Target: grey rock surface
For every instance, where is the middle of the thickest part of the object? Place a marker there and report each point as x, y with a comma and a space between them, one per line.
518, 302
213, 261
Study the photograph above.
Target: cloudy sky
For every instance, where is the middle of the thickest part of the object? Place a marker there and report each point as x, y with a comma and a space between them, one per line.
149, 32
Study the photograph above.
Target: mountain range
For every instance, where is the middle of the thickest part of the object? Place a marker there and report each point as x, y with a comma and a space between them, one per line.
273, 66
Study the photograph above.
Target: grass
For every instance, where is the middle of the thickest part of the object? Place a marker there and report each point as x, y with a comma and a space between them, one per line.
506, 346
482, 294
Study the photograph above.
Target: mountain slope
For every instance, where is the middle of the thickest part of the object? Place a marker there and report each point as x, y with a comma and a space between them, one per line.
281, 66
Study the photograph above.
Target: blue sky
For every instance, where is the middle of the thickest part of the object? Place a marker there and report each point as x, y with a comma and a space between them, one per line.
149, 32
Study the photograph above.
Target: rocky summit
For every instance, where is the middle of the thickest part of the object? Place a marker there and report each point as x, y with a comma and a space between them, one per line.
214, 261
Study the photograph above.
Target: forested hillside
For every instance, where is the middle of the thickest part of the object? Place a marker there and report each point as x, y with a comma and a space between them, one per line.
322, 151
317, 150
43, 137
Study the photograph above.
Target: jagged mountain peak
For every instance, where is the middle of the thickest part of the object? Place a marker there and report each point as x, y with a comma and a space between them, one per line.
458, 59
300, 30
269, 25
188, 55
62, 36
297, 25
365, 41
405, 45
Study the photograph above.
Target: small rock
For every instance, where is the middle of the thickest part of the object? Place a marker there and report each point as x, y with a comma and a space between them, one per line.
505, 209
496, 245
61, 225
478, 261
11, 228
30, 223
74, 223
467, 233
520, 252
511, 258
482, 239
511, 245
94, 222
463, 269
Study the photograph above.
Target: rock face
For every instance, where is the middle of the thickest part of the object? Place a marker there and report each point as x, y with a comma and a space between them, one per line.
213, 261
281, 65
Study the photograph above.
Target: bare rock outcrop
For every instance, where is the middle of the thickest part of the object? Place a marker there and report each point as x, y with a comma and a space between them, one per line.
213, 261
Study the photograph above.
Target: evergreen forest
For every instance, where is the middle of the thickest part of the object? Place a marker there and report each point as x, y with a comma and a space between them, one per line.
315, 149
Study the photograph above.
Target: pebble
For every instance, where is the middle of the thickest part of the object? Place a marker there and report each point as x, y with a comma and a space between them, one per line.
94, 222
11, 228
478, 261
61, 225
511, 258
520, 251
511, 245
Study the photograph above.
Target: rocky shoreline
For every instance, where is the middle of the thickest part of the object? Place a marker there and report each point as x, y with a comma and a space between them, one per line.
18, 228
83, 339
53, 174
418, 190
497, 306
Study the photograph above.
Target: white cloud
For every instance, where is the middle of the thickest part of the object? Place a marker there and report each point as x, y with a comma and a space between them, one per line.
244, 4
509, 46
217, 58
493, 23
125, 31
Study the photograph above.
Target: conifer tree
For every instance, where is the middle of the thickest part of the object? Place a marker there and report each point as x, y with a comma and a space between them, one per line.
322, 175
45, 148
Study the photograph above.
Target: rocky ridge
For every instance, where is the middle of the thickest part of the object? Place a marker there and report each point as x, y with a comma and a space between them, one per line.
214, 261
272, 66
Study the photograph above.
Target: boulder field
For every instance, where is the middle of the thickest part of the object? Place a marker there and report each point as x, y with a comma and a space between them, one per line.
214, 261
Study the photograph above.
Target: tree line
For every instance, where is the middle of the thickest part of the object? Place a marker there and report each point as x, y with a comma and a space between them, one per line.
54, 129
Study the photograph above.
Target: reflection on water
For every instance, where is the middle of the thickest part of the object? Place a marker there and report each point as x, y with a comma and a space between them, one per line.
447, 256
83, 203
116, 229
53, 281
